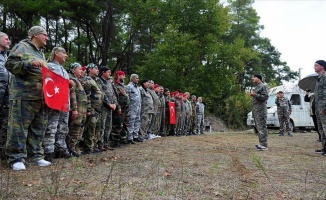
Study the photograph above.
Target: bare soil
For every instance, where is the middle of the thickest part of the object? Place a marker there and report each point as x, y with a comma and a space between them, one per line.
216, 165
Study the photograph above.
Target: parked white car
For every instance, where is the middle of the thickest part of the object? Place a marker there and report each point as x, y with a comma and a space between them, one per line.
300, 117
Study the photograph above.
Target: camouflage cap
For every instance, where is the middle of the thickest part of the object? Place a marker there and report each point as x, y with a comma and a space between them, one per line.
91, 66
35, 30
74, 65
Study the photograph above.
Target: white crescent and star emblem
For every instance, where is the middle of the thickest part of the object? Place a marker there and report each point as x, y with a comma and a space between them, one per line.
56, 89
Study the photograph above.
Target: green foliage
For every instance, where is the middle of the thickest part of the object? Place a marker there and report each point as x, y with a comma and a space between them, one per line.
235, 110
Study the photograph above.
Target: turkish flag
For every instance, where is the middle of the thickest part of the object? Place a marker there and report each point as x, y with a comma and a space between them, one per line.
55, 90
172, 113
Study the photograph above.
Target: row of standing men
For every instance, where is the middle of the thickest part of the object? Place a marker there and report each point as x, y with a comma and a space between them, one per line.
103, 112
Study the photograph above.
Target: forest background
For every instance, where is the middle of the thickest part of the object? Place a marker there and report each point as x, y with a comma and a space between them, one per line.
204, 47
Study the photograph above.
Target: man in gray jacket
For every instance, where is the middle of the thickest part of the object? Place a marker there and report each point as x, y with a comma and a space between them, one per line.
133, 124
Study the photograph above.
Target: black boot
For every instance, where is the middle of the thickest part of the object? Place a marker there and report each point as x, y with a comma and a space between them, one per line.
131, 142
62, 154
116, 144
48, 157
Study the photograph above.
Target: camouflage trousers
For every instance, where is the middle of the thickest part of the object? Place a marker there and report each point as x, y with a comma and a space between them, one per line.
4, 112
155, 123
76, 129
133, 124
56, 132
321, 121
106, 128
162, 131
92, 131
180, 125
193, 124
146, 119
119, 128
200, 124
167, 127
284, 119
27, 123
260, 116
187, 124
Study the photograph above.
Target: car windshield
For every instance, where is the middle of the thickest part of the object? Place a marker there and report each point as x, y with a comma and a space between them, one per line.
271, 100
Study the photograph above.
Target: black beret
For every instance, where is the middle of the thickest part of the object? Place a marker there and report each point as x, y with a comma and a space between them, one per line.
321, 63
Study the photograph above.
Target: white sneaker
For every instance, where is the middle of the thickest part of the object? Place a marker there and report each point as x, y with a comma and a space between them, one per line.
156, 136
42, 163
18, 166
150, 136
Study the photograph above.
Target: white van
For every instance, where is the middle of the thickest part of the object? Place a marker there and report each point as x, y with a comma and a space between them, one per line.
300, 117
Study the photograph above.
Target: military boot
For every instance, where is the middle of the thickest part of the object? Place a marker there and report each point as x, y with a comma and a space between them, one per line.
116, 144
49, 157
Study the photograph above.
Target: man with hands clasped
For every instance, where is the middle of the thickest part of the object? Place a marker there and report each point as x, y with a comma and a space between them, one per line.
283, 111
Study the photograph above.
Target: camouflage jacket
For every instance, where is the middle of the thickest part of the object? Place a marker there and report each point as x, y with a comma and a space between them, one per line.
320, 93
108, 91
187, 107
261, 94
134, 95
147, 103
162, 101
156, 100
193, 108
283, 102
26, 84
93, 92
200, 108
178, 108
122, 96
78, 95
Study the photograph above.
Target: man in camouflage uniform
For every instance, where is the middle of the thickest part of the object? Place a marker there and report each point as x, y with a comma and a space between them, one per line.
167, 125
161, 114
154, 126
180, 113
28, 112
200, 111
283, 112
78, 109
320, 101
188, 113
95, 96
259, 110
110, 103
133, 124
119, 118
193, 117
4, 92
57, 129
147, 110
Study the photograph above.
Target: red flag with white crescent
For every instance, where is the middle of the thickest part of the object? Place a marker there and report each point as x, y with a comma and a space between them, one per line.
55, 90
172, 113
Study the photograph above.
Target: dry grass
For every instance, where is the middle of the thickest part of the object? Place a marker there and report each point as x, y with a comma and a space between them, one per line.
211, 166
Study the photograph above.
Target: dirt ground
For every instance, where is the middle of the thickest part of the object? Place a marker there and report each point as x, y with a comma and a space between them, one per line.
216, 165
